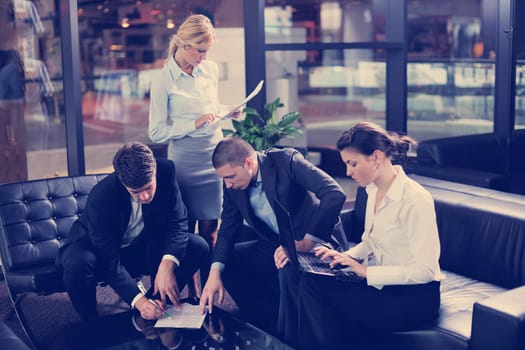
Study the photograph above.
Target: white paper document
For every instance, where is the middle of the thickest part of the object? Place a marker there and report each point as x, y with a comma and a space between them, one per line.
188, 316
245, 101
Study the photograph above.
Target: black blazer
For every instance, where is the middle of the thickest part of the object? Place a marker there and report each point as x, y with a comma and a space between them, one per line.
106, 218
311, 196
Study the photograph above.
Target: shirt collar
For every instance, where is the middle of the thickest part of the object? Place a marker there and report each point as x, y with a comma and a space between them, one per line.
177, 72
257, 181
395, 192
398, 186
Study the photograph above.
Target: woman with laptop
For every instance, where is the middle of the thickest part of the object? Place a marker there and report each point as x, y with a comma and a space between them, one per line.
398, 255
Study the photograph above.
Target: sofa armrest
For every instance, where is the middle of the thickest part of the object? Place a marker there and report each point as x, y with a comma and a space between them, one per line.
499, 322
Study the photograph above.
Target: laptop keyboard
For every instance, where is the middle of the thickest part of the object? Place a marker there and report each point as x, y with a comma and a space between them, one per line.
315, 263
311, 262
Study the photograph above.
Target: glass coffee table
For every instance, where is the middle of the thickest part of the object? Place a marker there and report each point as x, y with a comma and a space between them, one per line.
127, 330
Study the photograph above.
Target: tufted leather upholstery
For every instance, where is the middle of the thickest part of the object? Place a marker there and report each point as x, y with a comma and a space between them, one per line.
9, 340
482, 235
471, 159
35, 217
479, 160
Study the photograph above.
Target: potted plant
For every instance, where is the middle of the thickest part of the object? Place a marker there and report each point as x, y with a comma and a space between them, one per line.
263, 132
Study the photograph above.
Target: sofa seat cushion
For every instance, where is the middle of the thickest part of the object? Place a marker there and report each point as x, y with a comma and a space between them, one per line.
43, 280
458, 295
452, 329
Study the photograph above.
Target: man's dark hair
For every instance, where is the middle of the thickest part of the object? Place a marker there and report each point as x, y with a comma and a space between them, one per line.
232, 151
134, 165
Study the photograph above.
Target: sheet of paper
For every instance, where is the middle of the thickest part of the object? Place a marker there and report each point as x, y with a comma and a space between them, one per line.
188, 316
246, 100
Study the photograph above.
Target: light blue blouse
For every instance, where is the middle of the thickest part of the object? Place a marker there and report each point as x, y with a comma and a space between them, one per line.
178, 99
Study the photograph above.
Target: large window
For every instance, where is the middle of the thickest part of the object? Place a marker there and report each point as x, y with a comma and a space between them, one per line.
451, 67
122, 44
31, 118
333, 85
519, 121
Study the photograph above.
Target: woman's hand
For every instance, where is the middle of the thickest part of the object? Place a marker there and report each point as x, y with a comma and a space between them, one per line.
337, 258
237, 113
205, 119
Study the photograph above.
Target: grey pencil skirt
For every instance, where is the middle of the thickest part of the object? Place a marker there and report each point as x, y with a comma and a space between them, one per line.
200, 186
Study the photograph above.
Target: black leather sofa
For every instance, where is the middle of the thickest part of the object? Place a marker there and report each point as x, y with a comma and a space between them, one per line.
9, 340
483, 160
482, 234
477, 160
35, 217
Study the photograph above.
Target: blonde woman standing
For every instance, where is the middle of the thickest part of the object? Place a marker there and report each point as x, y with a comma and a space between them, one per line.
184, 110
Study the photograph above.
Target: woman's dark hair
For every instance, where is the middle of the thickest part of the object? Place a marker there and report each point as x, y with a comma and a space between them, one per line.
134, 165
366, 137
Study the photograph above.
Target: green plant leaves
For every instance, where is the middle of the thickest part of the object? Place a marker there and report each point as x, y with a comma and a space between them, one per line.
263, 132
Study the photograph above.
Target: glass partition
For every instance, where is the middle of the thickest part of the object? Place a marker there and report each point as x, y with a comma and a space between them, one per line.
314, 21
450, 99
123, 44
346, 86
519, 37
451, 69
519, 121
32, 144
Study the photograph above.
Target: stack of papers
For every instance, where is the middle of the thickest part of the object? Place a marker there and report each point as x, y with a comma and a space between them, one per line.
245, 101
188, 316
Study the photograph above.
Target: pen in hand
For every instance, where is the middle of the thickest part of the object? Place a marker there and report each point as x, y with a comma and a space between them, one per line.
142, 289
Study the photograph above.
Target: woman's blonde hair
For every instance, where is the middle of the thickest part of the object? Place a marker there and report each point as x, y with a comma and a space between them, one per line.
196, 30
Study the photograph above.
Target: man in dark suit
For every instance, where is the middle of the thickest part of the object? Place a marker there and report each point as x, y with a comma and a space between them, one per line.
256, 272
134, 223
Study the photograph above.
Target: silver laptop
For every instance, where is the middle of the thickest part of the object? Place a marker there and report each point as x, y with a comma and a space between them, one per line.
308, 261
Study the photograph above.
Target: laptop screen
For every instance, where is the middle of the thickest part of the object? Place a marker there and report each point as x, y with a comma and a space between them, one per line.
286, 233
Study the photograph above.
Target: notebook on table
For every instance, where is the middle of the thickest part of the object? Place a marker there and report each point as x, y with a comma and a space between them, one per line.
308, 261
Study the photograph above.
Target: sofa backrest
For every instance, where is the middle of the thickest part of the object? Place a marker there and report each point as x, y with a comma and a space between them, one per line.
517, 152
483, 152
35, 217
482, 232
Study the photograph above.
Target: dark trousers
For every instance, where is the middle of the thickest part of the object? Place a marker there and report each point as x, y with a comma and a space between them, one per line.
82, 269
335, 314
266, 297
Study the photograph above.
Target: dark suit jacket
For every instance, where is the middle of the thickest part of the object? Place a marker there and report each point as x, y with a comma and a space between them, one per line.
312, 198
106, 218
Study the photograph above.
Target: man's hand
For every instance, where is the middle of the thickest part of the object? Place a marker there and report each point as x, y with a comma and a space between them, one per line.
213, 286
146, 327
166, 284
280, 258
147, 310
304, 245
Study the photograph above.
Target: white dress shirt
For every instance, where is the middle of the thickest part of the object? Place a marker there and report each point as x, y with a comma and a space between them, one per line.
134, 229
178, 99
135, 224
400, 243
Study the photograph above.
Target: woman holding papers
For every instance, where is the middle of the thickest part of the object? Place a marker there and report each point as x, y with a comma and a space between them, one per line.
398, 254
184, 110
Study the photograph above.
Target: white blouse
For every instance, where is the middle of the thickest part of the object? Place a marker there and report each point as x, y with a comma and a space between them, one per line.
400, 243
178, 99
